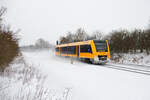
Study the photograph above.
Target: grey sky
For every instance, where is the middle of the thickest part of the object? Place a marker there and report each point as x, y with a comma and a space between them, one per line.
50, 19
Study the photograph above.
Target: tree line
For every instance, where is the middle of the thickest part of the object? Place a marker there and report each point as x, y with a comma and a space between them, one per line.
124, 41
79, 35
40, 44
120, 41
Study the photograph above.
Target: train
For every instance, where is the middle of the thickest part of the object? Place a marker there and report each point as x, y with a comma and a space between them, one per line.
94, 51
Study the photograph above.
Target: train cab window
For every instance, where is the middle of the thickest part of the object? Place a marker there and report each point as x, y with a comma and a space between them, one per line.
85, 48
100, 45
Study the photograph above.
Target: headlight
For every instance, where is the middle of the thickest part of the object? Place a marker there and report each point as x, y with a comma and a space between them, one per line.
96, 58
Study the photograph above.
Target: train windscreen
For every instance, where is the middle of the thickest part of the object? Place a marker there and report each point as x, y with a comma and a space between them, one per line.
101, 45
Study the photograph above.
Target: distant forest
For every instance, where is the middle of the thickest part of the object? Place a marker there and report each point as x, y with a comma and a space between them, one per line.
120, 41
40, 44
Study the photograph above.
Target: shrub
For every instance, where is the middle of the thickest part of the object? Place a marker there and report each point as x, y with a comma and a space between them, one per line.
9, 48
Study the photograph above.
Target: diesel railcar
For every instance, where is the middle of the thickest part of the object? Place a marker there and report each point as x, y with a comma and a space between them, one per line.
96, 51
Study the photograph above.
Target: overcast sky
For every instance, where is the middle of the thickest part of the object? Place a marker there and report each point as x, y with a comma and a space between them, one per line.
50, 19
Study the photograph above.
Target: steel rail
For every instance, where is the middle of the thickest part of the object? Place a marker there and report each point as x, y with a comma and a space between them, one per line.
145, 72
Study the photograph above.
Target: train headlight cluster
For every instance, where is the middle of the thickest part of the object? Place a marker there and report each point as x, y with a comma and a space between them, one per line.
96, 58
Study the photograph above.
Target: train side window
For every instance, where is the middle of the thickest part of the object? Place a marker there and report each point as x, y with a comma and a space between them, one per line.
72, 50
64, 50
85, 48
57, 49
68, 50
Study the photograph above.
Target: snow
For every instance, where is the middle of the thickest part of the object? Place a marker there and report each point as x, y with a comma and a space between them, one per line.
85, 81
131, 58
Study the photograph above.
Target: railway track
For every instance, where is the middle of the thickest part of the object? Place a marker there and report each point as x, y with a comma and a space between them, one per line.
146, 66
129, 69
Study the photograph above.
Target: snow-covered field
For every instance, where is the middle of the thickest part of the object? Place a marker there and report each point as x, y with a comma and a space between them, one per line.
82, 81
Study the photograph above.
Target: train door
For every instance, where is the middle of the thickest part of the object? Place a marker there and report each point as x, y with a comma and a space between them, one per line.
77, 50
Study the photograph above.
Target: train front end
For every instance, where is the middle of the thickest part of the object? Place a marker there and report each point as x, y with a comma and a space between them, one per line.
101, 52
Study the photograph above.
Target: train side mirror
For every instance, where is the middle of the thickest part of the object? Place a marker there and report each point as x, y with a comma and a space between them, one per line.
56, 42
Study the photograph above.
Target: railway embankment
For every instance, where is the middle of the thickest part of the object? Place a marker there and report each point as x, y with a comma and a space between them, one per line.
129, 58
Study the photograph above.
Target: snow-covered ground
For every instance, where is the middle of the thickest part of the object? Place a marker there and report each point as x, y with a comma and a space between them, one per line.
130, 58
82, 81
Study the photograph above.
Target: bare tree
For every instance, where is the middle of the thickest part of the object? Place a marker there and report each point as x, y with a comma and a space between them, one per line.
96, 35
2, 12
41, 43
81, 35
63, 40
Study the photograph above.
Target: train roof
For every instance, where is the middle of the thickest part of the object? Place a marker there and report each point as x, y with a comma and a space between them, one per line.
74, 43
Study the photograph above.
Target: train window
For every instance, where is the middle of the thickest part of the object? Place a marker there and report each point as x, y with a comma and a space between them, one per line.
100, 45
74, 49
85, 48
57, 49
64, 50
68, 50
